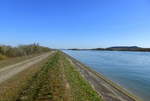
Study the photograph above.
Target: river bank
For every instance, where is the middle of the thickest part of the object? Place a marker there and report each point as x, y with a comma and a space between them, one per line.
109, 90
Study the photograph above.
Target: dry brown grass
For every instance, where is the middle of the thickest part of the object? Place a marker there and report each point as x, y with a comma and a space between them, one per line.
2, 57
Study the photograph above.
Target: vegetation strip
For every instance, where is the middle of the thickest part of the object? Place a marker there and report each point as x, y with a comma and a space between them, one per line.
81, 89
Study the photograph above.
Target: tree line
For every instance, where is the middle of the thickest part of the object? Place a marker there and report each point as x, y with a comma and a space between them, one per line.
22, 50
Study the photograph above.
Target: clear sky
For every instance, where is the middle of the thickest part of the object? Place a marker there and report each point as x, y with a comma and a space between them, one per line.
75, 23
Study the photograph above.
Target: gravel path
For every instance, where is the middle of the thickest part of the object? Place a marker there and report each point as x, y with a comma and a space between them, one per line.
10, 71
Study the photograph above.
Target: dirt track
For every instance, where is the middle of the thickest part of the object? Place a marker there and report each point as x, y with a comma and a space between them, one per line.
109, 91
10, 71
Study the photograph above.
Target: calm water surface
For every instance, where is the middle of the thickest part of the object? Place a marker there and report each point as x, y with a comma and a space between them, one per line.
131, 70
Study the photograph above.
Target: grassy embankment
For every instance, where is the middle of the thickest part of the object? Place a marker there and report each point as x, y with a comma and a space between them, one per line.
56, 80
111, 83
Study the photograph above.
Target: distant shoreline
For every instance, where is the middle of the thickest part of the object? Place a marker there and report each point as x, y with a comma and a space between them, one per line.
117, 48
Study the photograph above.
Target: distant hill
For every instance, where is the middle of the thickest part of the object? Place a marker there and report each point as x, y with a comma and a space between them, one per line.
124, 48
119, 48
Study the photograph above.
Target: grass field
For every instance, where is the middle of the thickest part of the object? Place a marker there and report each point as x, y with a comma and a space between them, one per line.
54, 80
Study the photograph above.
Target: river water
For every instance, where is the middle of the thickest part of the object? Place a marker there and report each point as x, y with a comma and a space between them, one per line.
131, 70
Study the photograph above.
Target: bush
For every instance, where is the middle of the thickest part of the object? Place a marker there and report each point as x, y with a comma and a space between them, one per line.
22, 50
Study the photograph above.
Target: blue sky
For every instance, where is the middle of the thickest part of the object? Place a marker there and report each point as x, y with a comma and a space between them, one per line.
75, 23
